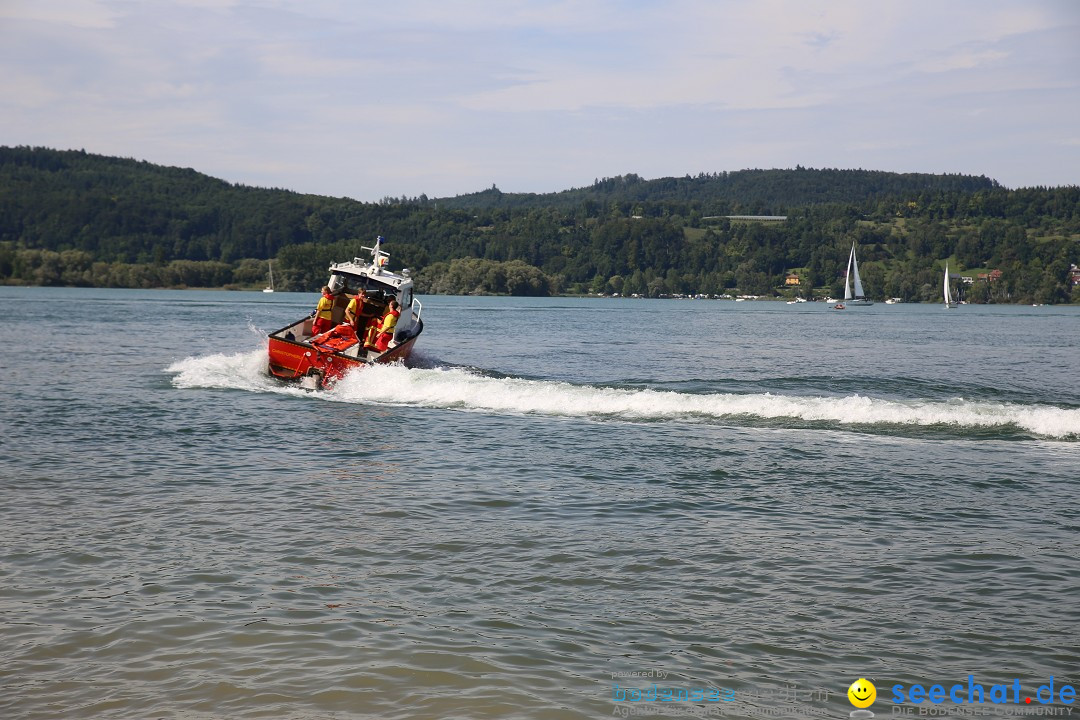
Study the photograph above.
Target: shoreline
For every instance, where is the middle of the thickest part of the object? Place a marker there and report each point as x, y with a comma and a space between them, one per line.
746, 298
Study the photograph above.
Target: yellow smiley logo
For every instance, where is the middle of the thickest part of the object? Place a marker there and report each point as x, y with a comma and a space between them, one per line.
862, 693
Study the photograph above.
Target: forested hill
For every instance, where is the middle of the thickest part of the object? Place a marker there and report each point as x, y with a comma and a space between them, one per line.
73, 218
744, 192
125, 210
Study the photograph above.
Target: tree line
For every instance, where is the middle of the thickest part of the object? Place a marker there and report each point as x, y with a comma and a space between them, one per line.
73, 218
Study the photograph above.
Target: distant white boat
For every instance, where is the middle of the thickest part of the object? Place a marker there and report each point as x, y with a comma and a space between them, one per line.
270, 287
858, 297
947, 290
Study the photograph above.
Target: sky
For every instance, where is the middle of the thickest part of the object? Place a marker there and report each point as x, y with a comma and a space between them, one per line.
368, 100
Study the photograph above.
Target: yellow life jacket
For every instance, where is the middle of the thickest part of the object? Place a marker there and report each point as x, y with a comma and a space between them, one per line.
325, 307
389, 321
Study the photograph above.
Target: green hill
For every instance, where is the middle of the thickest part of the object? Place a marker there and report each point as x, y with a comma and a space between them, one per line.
744, 192
74, 218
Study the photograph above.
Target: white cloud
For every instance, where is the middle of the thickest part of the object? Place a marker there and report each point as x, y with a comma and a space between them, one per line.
289, 61
961, 60
761, 55
25, 92
94, 14
373, 99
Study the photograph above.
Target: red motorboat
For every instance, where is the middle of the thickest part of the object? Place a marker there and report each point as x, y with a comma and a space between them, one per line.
318, 361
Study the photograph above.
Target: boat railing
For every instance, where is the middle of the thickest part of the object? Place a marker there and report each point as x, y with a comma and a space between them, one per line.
416, 304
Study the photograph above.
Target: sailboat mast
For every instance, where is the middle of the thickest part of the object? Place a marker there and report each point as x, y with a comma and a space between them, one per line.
847, 276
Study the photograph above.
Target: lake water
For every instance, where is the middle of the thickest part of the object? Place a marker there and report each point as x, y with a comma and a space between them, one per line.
563, 500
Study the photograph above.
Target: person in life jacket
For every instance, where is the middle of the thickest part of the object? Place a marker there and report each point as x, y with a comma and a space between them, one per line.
380, 331
359, 312
323, 311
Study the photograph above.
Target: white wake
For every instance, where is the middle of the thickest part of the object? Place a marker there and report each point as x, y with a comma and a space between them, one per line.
456, 388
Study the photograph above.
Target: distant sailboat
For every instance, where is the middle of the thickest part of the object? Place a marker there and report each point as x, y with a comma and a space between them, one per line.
858, 297
948, 289
270, 287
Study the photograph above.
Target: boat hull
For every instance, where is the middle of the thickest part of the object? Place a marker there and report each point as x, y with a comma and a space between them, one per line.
316, 353
295, 361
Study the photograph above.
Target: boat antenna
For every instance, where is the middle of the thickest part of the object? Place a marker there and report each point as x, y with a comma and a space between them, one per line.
379, 257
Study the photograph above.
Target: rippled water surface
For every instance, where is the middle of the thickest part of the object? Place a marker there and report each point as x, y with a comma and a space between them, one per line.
560, 500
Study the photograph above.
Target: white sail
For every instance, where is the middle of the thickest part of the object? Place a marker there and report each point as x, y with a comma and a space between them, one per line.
855, 266
947, 290
270, 287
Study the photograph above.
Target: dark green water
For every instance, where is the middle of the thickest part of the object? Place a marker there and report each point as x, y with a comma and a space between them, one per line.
561, 496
